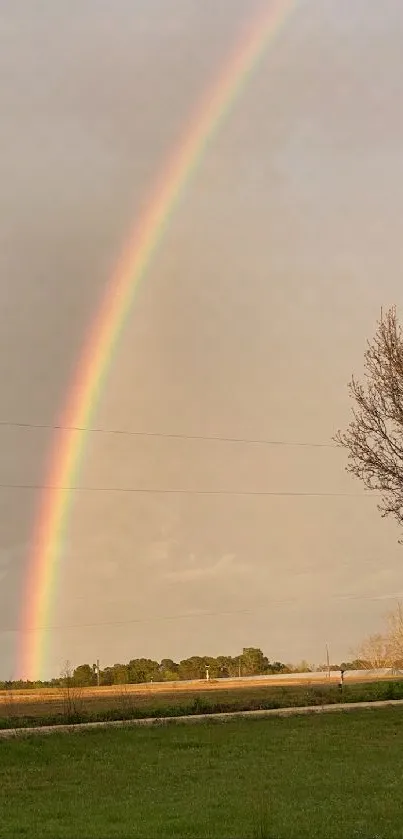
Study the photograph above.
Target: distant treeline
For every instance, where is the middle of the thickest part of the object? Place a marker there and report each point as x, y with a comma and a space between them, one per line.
251, 662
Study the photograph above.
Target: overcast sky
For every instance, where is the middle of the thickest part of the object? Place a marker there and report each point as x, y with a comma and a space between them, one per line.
253, 316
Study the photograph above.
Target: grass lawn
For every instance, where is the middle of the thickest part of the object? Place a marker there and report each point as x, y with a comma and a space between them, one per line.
297, 778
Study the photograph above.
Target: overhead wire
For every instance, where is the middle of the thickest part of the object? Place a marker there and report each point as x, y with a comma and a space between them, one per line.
179, 491
171, 491
191, 616
173, 436
168, 435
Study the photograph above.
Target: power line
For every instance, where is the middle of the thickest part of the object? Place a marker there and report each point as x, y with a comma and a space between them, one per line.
131, 621
167, 436
192, 616
215, 492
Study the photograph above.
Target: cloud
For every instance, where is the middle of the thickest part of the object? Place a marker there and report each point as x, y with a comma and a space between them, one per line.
395, 595
225, 565
159, 551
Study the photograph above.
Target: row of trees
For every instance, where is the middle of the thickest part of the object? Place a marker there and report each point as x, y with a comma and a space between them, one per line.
251, 662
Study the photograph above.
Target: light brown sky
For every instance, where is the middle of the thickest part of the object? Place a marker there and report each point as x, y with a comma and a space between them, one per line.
252, 319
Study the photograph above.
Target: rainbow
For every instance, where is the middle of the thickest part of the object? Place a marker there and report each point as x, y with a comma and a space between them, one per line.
111, 317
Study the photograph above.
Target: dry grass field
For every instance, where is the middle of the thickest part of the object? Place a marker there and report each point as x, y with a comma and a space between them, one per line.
159, 699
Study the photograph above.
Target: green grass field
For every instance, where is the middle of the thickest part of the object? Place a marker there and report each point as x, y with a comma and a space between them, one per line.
322, 777
148, 704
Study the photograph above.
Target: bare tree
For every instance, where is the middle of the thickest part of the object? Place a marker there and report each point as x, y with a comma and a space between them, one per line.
72, 696
9, 703
376, 651
126, 701
395, 636
374, 438
386, 650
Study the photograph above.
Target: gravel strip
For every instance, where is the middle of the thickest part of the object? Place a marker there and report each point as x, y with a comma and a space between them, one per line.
9, 733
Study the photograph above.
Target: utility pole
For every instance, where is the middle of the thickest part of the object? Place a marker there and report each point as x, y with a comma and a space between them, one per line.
328, 662
97, 672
